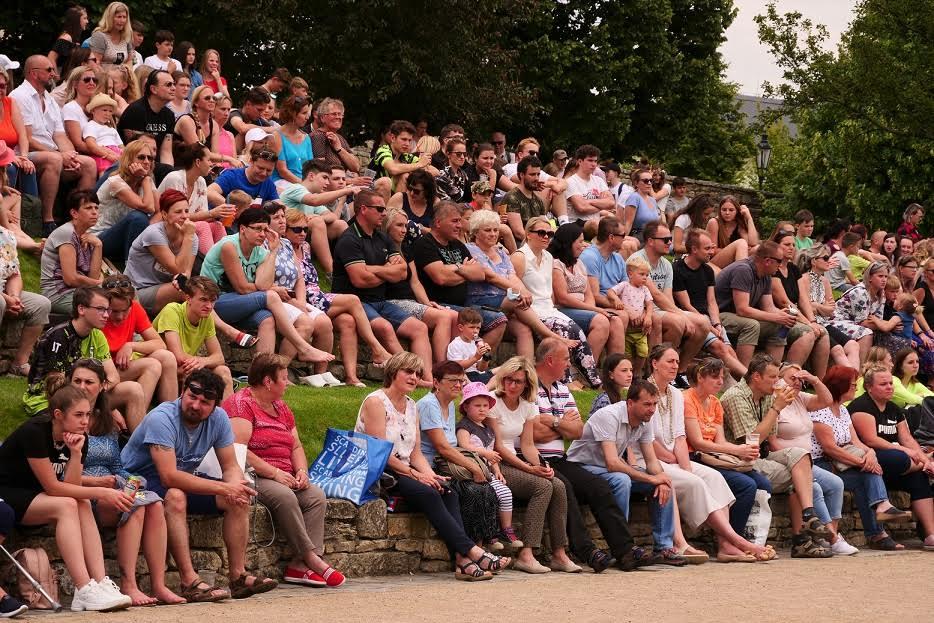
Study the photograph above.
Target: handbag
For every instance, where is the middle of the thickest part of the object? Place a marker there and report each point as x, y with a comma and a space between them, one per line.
722, 460
856, 451
349, 465
443, 467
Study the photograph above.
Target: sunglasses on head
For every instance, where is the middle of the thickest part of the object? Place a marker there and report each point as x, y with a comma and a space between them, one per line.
197, 389
544, 233
117, 283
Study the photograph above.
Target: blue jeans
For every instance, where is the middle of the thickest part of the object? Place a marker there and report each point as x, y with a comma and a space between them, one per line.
828, 495
243, 310
663, 516
120, 236
27, 182
744, 486
868, 490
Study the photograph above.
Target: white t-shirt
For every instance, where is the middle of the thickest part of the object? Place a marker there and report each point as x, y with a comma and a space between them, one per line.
683, 221
513, 168
112, 209
72, 112
104, 135
197, 198
588, 189
460, 349
157, 63
663, 202
512, 422
621, 192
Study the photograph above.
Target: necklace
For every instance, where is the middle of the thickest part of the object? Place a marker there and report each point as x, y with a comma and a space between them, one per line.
664, 410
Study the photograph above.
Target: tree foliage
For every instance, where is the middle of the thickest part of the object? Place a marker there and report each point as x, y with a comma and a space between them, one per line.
866, 146
631, 77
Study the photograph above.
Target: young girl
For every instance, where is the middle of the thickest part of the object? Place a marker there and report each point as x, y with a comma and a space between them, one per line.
100, 135
473, 434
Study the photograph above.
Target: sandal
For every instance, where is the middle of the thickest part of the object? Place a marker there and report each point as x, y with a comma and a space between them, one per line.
886, 544
477, 575
809, 549
244, 340
736, 558
694, 556
193, 593
239, 589
765, 555
495, 563
893, 515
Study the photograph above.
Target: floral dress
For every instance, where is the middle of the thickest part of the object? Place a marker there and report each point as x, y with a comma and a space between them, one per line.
853, 308
313, 293
482, 292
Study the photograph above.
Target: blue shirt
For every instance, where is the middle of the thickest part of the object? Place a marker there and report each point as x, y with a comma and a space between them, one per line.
646, 210
235, 179
608, 271
163, 427
429, 417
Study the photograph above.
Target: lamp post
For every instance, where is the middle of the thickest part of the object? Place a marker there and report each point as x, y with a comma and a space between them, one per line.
763, 157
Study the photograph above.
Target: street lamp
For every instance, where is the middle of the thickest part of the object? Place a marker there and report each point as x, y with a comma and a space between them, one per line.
763, 158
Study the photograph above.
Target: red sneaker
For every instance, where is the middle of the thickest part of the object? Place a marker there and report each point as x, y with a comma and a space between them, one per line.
306, 577
333, 577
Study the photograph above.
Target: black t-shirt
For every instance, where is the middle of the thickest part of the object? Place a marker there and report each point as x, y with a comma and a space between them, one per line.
790, 283
354, 247
402, 290
427, 250
238, 114
139, 117
33, 440
886, 420
694, 282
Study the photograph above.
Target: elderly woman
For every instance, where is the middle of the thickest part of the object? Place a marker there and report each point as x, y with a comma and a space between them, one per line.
835, 446
575, 298
389, 413
702, 495
910, 221
418, 202
534, 265
82, 86
262, 420
71, 257
881, 425
859, 311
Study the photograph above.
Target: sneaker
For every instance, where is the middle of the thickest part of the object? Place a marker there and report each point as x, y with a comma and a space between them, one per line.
11, 607
111, 586
509, 535
306, 577
495, 546
600, 561
332, 577
331, 380
841, 548
681, 381
634, 558
93, 596
815, 529
670, 557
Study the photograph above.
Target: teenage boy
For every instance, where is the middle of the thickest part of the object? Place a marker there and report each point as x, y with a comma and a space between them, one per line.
188, 326
467, 349
394, 158
588, 196
804, 227
162, 59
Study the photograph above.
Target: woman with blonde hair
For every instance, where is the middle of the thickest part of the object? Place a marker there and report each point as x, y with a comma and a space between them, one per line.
112, 40
211, 71
226, 143
82, 84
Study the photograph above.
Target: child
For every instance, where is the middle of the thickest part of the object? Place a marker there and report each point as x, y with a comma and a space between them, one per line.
804, 227
239, 200
841, 276
861, 259
635, 295
473, 434
467, 349
100, 135
165, 43
907, 308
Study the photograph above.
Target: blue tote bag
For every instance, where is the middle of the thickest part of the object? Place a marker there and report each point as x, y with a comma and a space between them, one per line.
349, 465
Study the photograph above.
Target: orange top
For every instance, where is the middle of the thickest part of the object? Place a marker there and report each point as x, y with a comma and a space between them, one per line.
7, 131
708, 418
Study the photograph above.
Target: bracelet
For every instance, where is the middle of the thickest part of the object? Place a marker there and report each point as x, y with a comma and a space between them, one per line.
338, 151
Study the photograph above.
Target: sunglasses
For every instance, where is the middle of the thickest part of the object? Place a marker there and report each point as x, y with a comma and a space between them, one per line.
416, 191
117, 283
646, 180
297, 230
379, 209
544, 233
826, 258
666, 239
197, 389
532, 153
167, 84
146, 158
265, 154
89, 80
459, 153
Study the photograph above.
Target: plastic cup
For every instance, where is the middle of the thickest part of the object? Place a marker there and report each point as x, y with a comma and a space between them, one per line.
752, 439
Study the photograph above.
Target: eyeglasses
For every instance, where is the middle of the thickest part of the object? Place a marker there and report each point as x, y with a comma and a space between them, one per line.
416, 191
197, 389
117, 283
645, 180
911, 266
511, 381
89, 80
261, 229
146, 157
544, 233
3, 85
103, 311
297, 230
777, 260
379, 209
666, 239
454, 380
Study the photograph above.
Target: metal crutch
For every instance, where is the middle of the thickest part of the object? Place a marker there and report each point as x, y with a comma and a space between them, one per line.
56, 607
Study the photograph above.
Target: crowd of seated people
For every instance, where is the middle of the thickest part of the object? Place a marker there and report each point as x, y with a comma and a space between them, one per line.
176, 211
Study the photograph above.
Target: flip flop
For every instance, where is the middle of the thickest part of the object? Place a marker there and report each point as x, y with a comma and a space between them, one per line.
244, 340
736, 558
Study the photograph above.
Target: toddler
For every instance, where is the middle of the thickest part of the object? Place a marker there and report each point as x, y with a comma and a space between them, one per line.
467, 349
473, 434
634, 295
100, 135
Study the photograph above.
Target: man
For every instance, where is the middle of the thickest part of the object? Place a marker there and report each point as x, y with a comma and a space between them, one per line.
327, 142
685, 330
559, 160
752, 406
523, 202
249, 116
614, 182
550, 189
166, 450
80, 337
503, 156
451, 130
189, 326
254, 179
692, 287
364, 262
395, 158
587, 195
150, 115
744, 296
49, 148
278, 81
445, 265
558, 420
677, 200
605, 266
601, 450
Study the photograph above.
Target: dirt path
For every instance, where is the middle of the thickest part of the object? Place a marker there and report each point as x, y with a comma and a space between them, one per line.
832, 591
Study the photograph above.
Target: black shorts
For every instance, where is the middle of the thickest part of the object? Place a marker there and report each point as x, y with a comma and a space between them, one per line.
18, 499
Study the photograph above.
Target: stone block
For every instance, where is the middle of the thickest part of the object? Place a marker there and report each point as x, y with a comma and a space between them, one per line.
206, 532
339, 546
375, 545
381, 563
398, 526
434, 566
435, 549
340, 509
409, 545
339, 531
206, 559
371, 520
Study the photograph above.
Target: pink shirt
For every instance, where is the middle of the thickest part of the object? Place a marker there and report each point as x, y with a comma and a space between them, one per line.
272, 438
633, 297
794, 425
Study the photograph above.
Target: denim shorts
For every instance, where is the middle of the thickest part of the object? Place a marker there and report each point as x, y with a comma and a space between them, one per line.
491, 319
244, 311
394, 314
581, 317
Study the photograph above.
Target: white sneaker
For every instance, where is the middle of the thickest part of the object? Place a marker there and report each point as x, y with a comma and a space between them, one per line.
331, 380
841, 548
93, 596
314, 380
111, 586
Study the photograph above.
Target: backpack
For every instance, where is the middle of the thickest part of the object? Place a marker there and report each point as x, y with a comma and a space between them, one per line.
36, 562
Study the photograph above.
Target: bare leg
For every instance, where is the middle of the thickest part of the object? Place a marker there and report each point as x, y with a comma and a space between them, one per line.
318, 240
416, 332
852, 350
494, 336
728, 541
386, 335
154, 546
129, 536
236, 527
439, 321
350, 304
347, 329
227, 377
129, 396
48, 174
865, 343
28, 337
63, 513
146, 371
733, 252
744, 353
525, 344
176, 521
617, 339
722, 351
322, 338
801, 349
598, 335
820, 355
266, 336
168, 384
290, 332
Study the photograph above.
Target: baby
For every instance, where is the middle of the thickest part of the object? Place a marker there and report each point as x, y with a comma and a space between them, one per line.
637, 301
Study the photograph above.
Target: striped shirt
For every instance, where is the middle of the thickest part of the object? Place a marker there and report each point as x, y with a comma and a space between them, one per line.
553, 401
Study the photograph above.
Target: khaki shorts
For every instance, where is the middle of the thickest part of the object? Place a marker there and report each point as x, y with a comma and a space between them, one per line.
637, 344
777, 468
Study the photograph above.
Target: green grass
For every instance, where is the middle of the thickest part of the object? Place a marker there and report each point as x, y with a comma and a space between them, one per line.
315, 409
29, 269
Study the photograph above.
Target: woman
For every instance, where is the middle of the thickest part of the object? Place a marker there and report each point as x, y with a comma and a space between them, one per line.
640, 207
294, 113
858, 312
32, 459
211, 72
194, 162
82, 86
906, 370
482, 168
617, 377
72, 256
289, 284
344, 310
702, 495
410, 295
703, 427
531, 481
817, 305
906, 269
75, 23
112, 40
534, 265
127, 200
452, 184
226, 145
244, 268
695, 215
575, 298
418, 202
733, 223
185, 53
879, 357
835, 440
20, 171
389, 413
906, 246
890, 248
910, 221
262, 421
180, 104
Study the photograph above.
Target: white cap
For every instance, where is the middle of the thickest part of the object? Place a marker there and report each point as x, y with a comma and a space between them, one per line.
6, 63
256, 134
